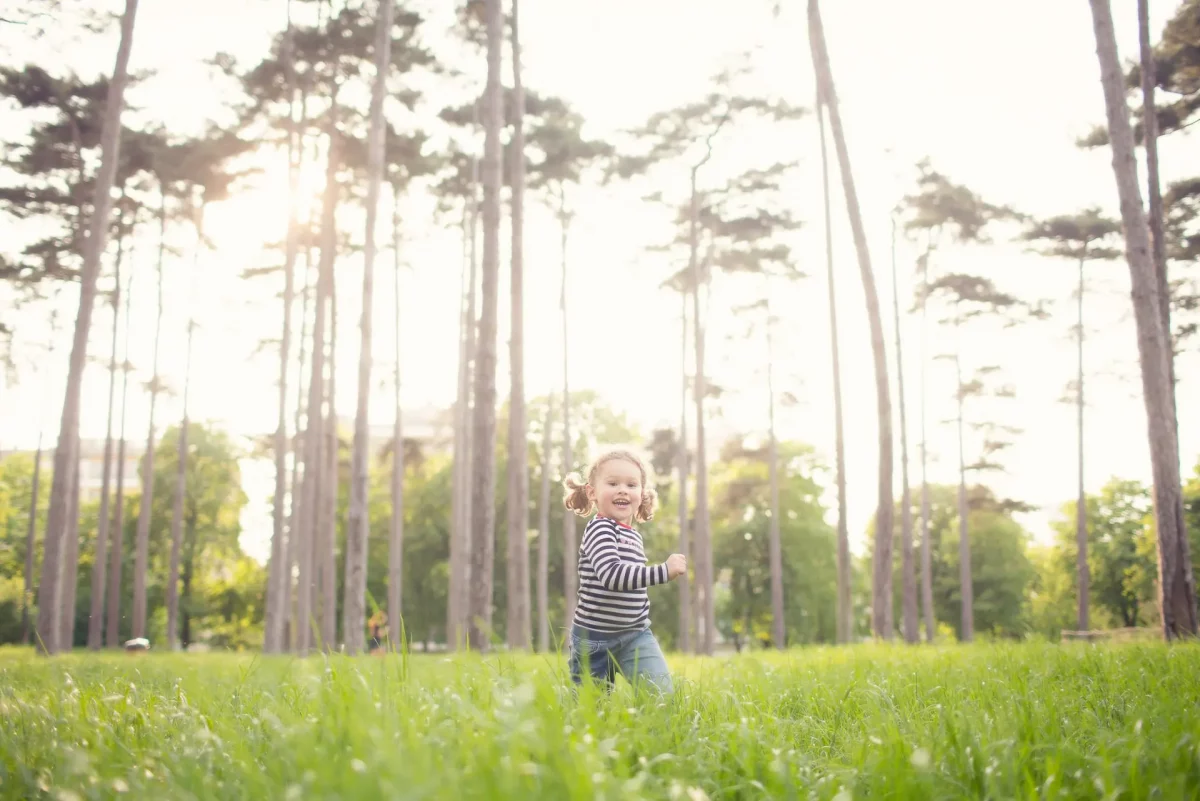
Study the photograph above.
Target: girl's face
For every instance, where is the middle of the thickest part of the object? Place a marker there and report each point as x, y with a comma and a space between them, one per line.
617, 491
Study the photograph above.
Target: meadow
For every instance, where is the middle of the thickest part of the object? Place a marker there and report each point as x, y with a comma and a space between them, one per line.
1027, 720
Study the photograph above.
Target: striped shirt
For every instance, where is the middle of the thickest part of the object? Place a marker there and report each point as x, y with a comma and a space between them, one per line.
613, 577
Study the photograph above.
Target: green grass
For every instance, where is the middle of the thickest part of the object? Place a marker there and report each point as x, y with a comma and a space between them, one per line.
983, 721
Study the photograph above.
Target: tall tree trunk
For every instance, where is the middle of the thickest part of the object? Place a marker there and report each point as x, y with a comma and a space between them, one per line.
142, 543
926, 549
308, 596
570, 547
845, 609
181, 464
460, 530
543, 555
1159, 246
966, 585
518, 456
277, 573
186, 622
177, 506
483, 474
911, 635
66, 630
30, 542
296, 525
687, 619
1177, 593
460, 572
291, 555
703, 545
1081, 537
354, 604
117, 556
113, 607
883, 512
779, 629
462, 596
100, 561
396, 545
327, 555
189, 567
314, 419
1158, 240
67, 451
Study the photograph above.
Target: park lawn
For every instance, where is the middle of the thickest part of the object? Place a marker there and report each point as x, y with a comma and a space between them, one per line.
982, 721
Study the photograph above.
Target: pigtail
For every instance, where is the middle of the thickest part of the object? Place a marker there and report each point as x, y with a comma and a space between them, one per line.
645, 512
576, 498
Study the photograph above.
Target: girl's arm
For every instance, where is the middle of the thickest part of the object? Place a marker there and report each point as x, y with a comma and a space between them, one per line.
600, 546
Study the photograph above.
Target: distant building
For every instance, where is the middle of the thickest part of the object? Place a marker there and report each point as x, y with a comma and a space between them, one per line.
91, 467
430, 427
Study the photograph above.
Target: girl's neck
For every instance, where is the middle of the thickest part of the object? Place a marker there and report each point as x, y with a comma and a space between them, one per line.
628, 525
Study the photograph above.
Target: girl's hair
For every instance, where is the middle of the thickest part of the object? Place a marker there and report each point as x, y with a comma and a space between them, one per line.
576, 498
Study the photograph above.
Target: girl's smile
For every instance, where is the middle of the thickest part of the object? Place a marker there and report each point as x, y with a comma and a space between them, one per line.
617, 491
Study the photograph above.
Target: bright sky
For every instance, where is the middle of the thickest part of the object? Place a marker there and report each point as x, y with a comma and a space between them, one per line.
994, 101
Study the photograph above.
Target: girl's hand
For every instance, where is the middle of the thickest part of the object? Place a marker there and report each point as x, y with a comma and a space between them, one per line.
676, 566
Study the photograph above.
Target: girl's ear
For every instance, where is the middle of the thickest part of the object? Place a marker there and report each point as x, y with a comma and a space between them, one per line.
591, 492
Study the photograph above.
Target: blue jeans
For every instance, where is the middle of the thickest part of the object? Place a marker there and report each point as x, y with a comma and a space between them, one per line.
635, 654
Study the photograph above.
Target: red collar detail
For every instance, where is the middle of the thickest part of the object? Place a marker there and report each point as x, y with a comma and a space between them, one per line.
618, 523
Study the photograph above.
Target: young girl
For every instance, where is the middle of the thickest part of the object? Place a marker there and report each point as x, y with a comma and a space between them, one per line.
611, 630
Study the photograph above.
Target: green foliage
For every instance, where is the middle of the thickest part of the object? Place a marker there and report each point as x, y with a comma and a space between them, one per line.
1177, 101
213, 502
228, 603
1182, 231
561, 152
1001, 570
1052, 604
970, 296
331, 67
670, 135
1076, 236
427, 500
52, 168
940, 205
1018, 589
558, 154
184, 165
742, 227
740, 523
1181, 204
1122, 558
1191, 512
16, 492
1120, 581
405, 159
427, 496
220, 586
325, 58
213, 497
1176, 72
